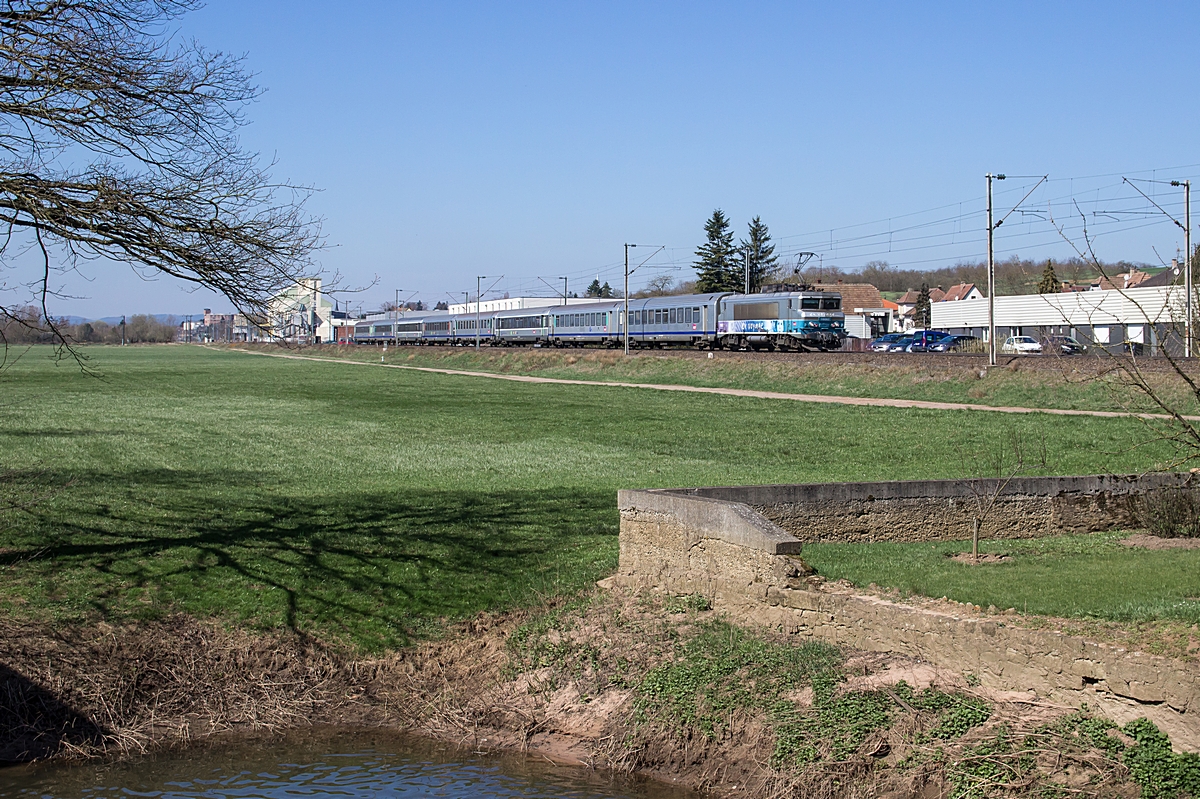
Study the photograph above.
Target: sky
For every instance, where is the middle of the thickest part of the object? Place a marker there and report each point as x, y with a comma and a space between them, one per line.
529, 141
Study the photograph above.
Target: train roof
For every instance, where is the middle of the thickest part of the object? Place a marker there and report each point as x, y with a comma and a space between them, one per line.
669, 300
579, 307
409, 317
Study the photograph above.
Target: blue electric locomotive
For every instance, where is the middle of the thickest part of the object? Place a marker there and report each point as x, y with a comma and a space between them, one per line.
784, 321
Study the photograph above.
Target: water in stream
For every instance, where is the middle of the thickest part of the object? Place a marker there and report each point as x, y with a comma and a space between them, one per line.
328, 763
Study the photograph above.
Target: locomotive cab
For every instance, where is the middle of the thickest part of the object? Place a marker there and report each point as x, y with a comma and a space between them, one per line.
786, 321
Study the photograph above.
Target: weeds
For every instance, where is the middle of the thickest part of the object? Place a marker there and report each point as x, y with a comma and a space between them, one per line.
1153, 765
688, 602
1169, 512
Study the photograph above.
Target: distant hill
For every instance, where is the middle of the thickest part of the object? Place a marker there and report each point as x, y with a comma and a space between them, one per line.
116, 320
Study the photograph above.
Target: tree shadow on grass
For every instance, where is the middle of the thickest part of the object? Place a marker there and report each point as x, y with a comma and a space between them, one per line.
371, 568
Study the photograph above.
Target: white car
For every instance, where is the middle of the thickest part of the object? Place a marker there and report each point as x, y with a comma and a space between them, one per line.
1020, 345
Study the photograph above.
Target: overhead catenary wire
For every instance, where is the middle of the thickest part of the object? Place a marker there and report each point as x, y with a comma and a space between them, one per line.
948, 234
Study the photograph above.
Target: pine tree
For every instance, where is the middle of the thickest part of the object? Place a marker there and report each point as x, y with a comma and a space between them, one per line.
593, 289
606, 290
1050, 283
759, 253
716, 269
923, 311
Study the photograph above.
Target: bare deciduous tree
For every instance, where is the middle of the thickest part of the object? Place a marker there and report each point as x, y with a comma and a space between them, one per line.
1011, 457
1162, 393
118, 142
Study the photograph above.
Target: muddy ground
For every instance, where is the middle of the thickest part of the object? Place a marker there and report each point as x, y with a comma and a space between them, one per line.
658, 686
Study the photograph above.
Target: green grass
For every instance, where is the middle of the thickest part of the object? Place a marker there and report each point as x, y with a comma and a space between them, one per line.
1072, 383
370, 505
1073, 576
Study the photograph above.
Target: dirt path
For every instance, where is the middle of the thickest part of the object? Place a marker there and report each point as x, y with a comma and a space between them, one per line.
875, 402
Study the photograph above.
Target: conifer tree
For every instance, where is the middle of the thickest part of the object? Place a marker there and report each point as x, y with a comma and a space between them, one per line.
1050, 283
593, 289
759, 254
716, 267
606, 290
923, 311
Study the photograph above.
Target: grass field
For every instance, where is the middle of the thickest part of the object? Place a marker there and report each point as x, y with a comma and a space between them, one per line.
370, 505
1084, 383
1073, 576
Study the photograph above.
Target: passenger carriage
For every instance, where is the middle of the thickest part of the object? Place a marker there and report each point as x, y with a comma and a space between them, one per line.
686, 319
438, 329
405, 330
524, 326
375, 332
577, 325
466, 325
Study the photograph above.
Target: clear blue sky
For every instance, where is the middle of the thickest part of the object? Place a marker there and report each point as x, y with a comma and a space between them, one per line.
451, 140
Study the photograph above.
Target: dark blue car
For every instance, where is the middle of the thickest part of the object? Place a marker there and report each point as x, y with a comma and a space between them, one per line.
924, 339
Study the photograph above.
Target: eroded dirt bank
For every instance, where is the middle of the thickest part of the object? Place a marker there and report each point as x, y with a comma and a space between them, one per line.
612, 679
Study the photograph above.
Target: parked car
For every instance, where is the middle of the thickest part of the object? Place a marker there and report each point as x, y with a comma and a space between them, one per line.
900, 344
1063, 345
923, 339
1020, 345
954, 344
882, 343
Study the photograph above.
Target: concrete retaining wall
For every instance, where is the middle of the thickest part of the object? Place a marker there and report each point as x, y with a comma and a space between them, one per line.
713, 542
944, 510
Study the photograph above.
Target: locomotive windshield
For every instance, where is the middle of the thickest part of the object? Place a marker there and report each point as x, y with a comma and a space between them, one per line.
820, 303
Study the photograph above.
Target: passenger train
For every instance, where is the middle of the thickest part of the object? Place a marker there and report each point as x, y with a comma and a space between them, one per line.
810, 320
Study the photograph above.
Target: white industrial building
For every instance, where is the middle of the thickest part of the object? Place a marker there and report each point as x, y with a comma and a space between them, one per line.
1144, 316
518, 304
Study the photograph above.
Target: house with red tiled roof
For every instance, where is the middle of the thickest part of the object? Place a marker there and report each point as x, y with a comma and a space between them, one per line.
908, 305
1125, 280
962, 291
867, 314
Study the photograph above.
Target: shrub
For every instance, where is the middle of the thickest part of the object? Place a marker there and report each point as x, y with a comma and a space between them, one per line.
1169, 512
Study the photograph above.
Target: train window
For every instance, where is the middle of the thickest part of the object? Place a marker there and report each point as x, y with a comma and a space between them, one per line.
679, 315
810, 303
670, 316
696, 315
831, 304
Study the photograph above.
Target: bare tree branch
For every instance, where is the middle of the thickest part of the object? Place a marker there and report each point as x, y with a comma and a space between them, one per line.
163, 182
